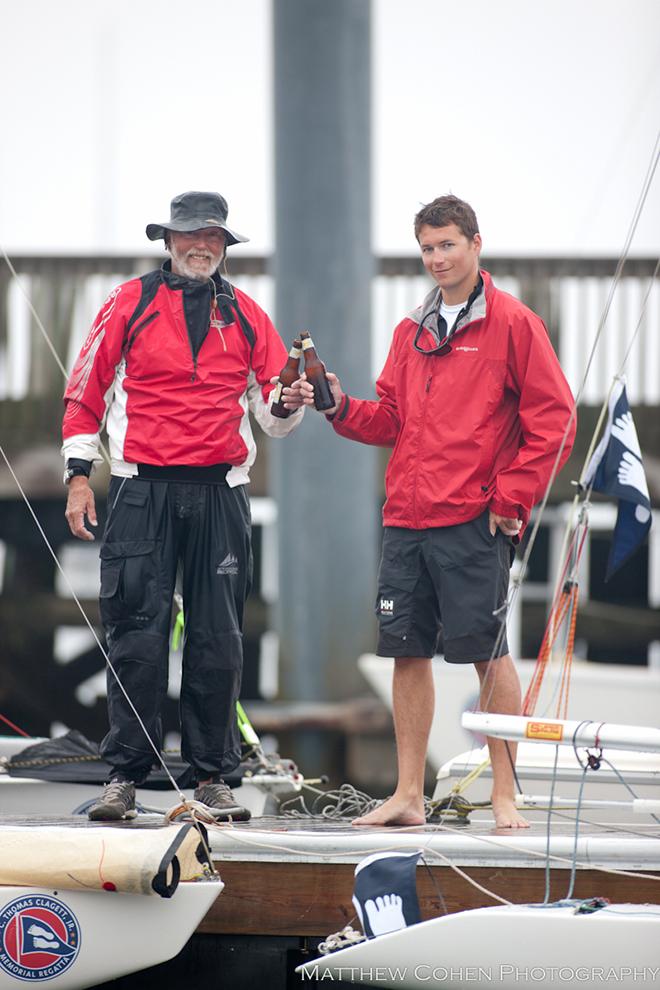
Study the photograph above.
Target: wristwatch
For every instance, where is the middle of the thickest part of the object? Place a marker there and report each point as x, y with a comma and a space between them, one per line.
73, 472
74, 469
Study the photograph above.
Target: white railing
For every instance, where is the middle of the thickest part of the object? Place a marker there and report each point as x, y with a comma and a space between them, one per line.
569, 294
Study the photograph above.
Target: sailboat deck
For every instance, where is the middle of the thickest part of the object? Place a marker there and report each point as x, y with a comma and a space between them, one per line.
78, 821
633, 846
294, 876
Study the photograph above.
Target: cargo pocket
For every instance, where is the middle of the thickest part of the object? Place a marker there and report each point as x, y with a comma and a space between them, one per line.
132, 497
129, 581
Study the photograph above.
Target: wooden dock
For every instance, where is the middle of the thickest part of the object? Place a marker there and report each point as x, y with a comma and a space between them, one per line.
294, 877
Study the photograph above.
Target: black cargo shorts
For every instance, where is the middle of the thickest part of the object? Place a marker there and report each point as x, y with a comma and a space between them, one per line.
449, 581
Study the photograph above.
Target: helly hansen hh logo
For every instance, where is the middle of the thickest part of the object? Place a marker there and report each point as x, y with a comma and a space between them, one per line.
386, 606
229, 565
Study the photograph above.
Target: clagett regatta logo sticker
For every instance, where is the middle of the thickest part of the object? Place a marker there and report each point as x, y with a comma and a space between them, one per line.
39, 938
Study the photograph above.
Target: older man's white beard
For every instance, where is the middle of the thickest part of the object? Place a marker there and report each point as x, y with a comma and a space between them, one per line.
183, 267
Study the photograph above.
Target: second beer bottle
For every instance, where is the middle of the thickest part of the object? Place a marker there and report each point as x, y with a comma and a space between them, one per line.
288, 375
315, 373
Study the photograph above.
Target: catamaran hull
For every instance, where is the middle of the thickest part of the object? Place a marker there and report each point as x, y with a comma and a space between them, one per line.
28, 796
260, 793
506, 947
72, 939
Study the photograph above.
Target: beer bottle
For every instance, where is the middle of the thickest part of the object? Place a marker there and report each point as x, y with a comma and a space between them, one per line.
288, 375
315, 372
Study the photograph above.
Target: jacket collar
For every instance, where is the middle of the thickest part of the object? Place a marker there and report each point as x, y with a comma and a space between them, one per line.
181, 283
475, 309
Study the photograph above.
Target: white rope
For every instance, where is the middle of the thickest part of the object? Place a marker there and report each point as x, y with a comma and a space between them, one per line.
344, 802
484, 890
340, 940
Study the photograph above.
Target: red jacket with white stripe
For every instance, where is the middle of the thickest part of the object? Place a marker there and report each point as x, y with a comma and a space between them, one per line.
478, 426
166, 405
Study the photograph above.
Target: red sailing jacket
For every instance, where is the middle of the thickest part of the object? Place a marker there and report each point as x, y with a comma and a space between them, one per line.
165, 405
479, 426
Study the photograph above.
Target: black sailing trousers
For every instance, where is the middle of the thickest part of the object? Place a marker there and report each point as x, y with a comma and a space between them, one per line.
152, 526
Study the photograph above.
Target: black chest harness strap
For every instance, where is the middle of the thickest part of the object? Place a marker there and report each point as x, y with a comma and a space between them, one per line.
151, 282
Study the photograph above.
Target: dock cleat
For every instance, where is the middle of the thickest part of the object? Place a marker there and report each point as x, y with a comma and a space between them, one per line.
117, 802
219, 801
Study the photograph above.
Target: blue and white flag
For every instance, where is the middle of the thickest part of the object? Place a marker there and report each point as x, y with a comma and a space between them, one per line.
385, 892
616, 469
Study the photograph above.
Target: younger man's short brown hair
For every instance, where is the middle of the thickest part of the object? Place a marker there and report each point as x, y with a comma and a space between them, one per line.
445, 210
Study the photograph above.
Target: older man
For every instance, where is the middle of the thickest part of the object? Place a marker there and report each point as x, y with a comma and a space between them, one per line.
175, 360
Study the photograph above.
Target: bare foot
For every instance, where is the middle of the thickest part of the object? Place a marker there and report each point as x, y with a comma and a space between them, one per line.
394, 811
507, 815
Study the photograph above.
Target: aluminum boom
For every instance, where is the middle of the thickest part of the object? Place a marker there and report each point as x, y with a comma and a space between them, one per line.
563, 732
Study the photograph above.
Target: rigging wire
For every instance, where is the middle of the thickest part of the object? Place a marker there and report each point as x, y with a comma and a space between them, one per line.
653, 164
571, 527
46, 337
623, 781
571, 883
546, 899
563, 813
519, 579
190, 807
158, 755
641, 318
569, 541
35, 315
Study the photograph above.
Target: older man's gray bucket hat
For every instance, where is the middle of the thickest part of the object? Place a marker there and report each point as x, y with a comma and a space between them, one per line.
194, 211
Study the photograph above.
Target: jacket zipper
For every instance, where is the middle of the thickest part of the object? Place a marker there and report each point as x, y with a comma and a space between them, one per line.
213, 321
427, 389
140, 327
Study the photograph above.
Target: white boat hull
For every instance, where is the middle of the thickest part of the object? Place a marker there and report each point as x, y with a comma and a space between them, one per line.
507, 947
105, 935
26, 795
611, 692
261, 793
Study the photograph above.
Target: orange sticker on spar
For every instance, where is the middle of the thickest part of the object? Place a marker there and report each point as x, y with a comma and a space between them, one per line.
544, 730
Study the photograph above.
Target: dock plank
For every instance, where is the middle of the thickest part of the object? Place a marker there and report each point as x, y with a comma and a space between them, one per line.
314, 899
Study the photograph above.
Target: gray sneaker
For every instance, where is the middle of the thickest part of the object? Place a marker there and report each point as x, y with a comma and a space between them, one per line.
220, 802
116, 802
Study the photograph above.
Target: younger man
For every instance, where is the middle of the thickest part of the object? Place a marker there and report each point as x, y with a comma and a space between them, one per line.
475, 406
